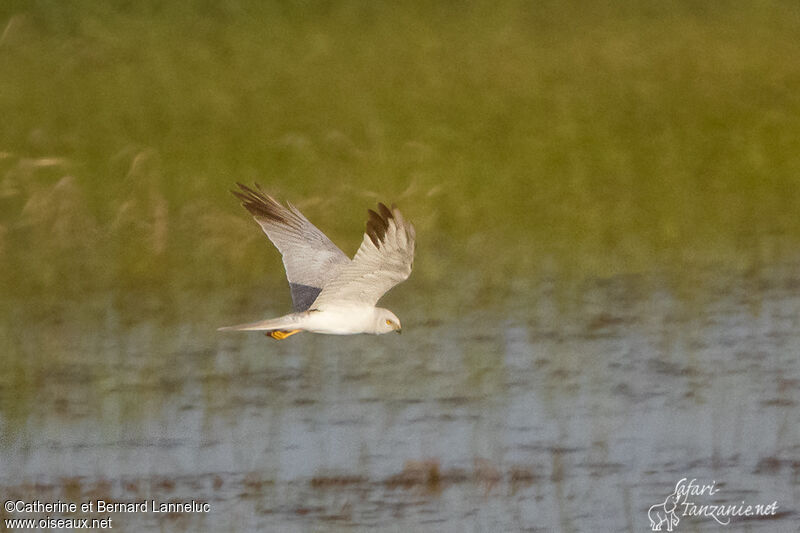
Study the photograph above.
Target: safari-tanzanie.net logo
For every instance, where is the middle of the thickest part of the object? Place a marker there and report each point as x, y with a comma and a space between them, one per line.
691, 499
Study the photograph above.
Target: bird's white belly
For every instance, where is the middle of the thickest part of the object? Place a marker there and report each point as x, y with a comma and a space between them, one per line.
347, 320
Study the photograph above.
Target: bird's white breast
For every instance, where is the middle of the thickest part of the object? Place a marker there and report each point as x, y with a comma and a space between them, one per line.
342, 320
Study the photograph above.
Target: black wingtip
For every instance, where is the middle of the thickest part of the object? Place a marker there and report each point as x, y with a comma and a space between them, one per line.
259, 204
244, 190
385, 213
378, 223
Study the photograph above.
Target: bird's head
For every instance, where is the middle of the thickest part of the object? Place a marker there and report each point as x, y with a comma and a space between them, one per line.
386, 321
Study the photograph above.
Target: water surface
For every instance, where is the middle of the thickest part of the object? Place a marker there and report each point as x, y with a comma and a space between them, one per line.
543, 414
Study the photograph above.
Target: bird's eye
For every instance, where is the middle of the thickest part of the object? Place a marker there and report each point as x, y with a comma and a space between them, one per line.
388, 322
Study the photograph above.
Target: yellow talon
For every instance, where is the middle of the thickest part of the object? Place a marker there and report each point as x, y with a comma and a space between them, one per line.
280, 335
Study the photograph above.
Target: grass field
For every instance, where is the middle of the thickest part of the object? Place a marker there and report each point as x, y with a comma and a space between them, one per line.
524, 139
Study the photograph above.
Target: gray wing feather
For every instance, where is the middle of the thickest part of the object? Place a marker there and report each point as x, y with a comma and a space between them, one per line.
310, 258
385, 258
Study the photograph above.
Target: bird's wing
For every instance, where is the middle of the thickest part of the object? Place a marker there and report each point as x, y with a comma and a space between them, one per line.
309, 257
384, 259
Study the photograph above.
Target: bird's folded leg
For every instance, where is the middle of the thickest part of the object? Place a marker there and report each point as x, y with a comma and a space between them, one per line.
280, 335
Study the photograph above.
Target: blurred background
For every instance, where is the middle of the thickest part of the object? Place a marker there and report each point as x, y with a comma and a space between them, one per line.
605, 297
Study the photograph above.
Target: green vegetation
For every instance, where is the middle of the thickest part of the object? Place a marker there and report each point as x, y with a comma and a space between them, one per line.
524, 139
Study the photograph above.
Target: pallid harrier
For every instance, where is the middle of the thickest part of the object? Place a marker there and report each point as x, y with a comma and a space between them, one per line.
331, 293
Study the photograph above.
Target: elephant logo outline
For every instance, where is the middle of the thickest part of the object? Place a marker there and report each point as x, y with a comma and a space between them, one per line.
664, 512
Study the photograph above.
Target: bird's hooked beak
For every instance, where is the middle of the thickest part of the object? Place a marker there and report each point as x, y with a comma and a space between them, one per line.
397, 328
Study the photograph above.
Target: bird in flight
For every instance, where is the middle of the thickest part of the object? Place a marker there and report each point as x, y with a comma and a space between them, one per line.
331, 293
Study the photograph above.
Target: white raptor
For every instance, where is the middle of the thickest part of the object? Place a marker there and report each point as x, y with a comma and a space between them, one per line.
331, 293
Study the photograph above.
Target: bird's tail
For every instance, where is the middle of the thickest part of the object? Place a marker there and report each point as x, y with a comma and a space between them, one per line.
286, 322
